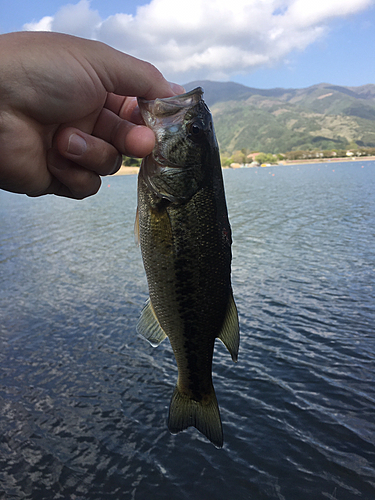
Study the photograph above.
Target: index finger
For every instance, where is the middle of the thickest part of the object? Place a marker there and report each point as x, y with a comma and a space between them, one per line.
125, 107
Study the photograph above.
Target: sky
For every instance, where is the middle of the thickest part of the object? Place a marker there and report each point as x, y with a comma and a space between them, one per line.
259, 43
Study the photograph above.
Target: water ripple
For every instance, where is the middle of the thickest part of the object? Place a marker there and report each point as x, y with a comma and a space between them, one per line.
84, 400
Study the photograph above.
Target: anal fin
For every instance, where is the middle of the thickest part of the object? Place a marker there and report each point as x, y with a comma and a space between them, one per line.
230, 332
149, 326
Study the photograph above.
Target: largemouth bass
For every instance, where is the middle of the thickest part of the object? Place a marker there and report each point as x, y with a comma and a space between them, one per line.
185, 238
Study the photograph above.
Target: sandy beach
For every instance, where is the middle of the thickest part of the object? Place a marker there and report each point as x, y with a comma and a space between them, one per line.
311, 161
127, 170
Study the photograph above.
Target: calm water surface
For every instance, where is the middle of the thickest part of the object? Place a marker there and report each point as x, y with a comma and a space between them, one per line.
84, 400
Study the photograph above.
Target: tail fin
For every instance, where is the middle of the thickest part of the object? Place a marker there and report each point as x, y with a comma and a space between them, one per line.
204, 416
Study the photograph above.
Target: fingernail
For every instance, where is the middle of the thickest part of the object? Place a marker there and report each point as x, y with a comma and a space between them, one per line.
76, 145
178, 89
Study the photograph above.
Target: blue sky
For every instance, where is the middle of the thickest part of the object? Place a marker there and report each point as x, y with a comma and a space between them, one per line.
260, 43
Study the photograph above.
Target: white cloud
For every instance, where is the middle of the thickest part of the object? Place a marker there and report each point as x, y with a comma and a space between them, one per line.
206, 38
307, 13
77, 19
45, 24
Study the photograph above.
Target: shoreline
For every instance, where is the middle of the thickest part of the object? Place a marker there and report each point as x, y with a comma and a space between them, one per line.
134, 170
309, 161
327, 160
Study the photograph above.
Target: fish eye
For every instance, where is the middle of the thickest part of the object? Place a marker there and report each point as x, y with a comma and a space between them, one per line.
196, 130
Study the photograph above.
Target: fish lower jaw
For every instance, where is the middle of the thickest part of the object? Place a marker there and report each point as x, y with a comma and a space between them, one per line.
162, 162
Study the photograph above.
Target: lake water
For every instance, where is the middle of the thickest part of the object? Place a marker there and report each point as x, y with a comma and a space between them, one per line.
84, 400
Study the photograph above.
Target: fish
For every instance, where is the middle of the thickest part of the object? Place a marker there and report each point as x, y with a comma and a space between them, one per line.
184, 233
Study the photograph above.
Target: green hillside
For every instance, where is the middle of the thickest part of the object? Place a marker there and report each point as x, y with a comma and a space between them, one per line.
278, 120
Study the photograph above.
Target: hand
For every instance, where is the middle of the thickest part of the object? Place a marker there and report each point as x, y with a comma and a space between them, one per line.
65, 112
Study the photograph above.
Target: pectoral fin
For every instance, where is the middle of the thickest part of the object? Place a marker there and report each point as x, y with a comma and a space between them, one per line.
230, 332
149, 326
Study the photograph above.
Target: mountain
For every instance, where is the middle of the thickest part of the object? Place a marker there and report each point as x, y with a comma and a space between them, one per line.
278, 120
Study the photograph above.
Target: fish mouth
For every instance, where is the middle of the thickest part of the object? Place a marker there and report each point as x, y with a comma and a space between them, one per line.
167, 112
158, 115
168, 106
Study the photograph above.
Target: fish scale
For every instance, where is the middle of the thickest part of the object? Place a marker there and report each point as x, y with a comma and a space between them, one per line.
185, 238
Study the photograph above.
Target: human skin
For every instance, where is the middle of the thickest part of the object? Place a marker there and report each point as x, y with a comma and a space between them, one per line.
68, 111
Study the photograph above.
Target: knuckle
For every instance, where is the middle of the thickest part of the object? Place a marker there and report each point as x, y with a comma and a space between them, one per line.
84, 190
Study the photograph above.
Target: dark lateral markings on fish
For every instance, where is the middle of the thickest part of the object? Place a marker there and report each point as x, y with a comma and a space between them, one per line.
185, 237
